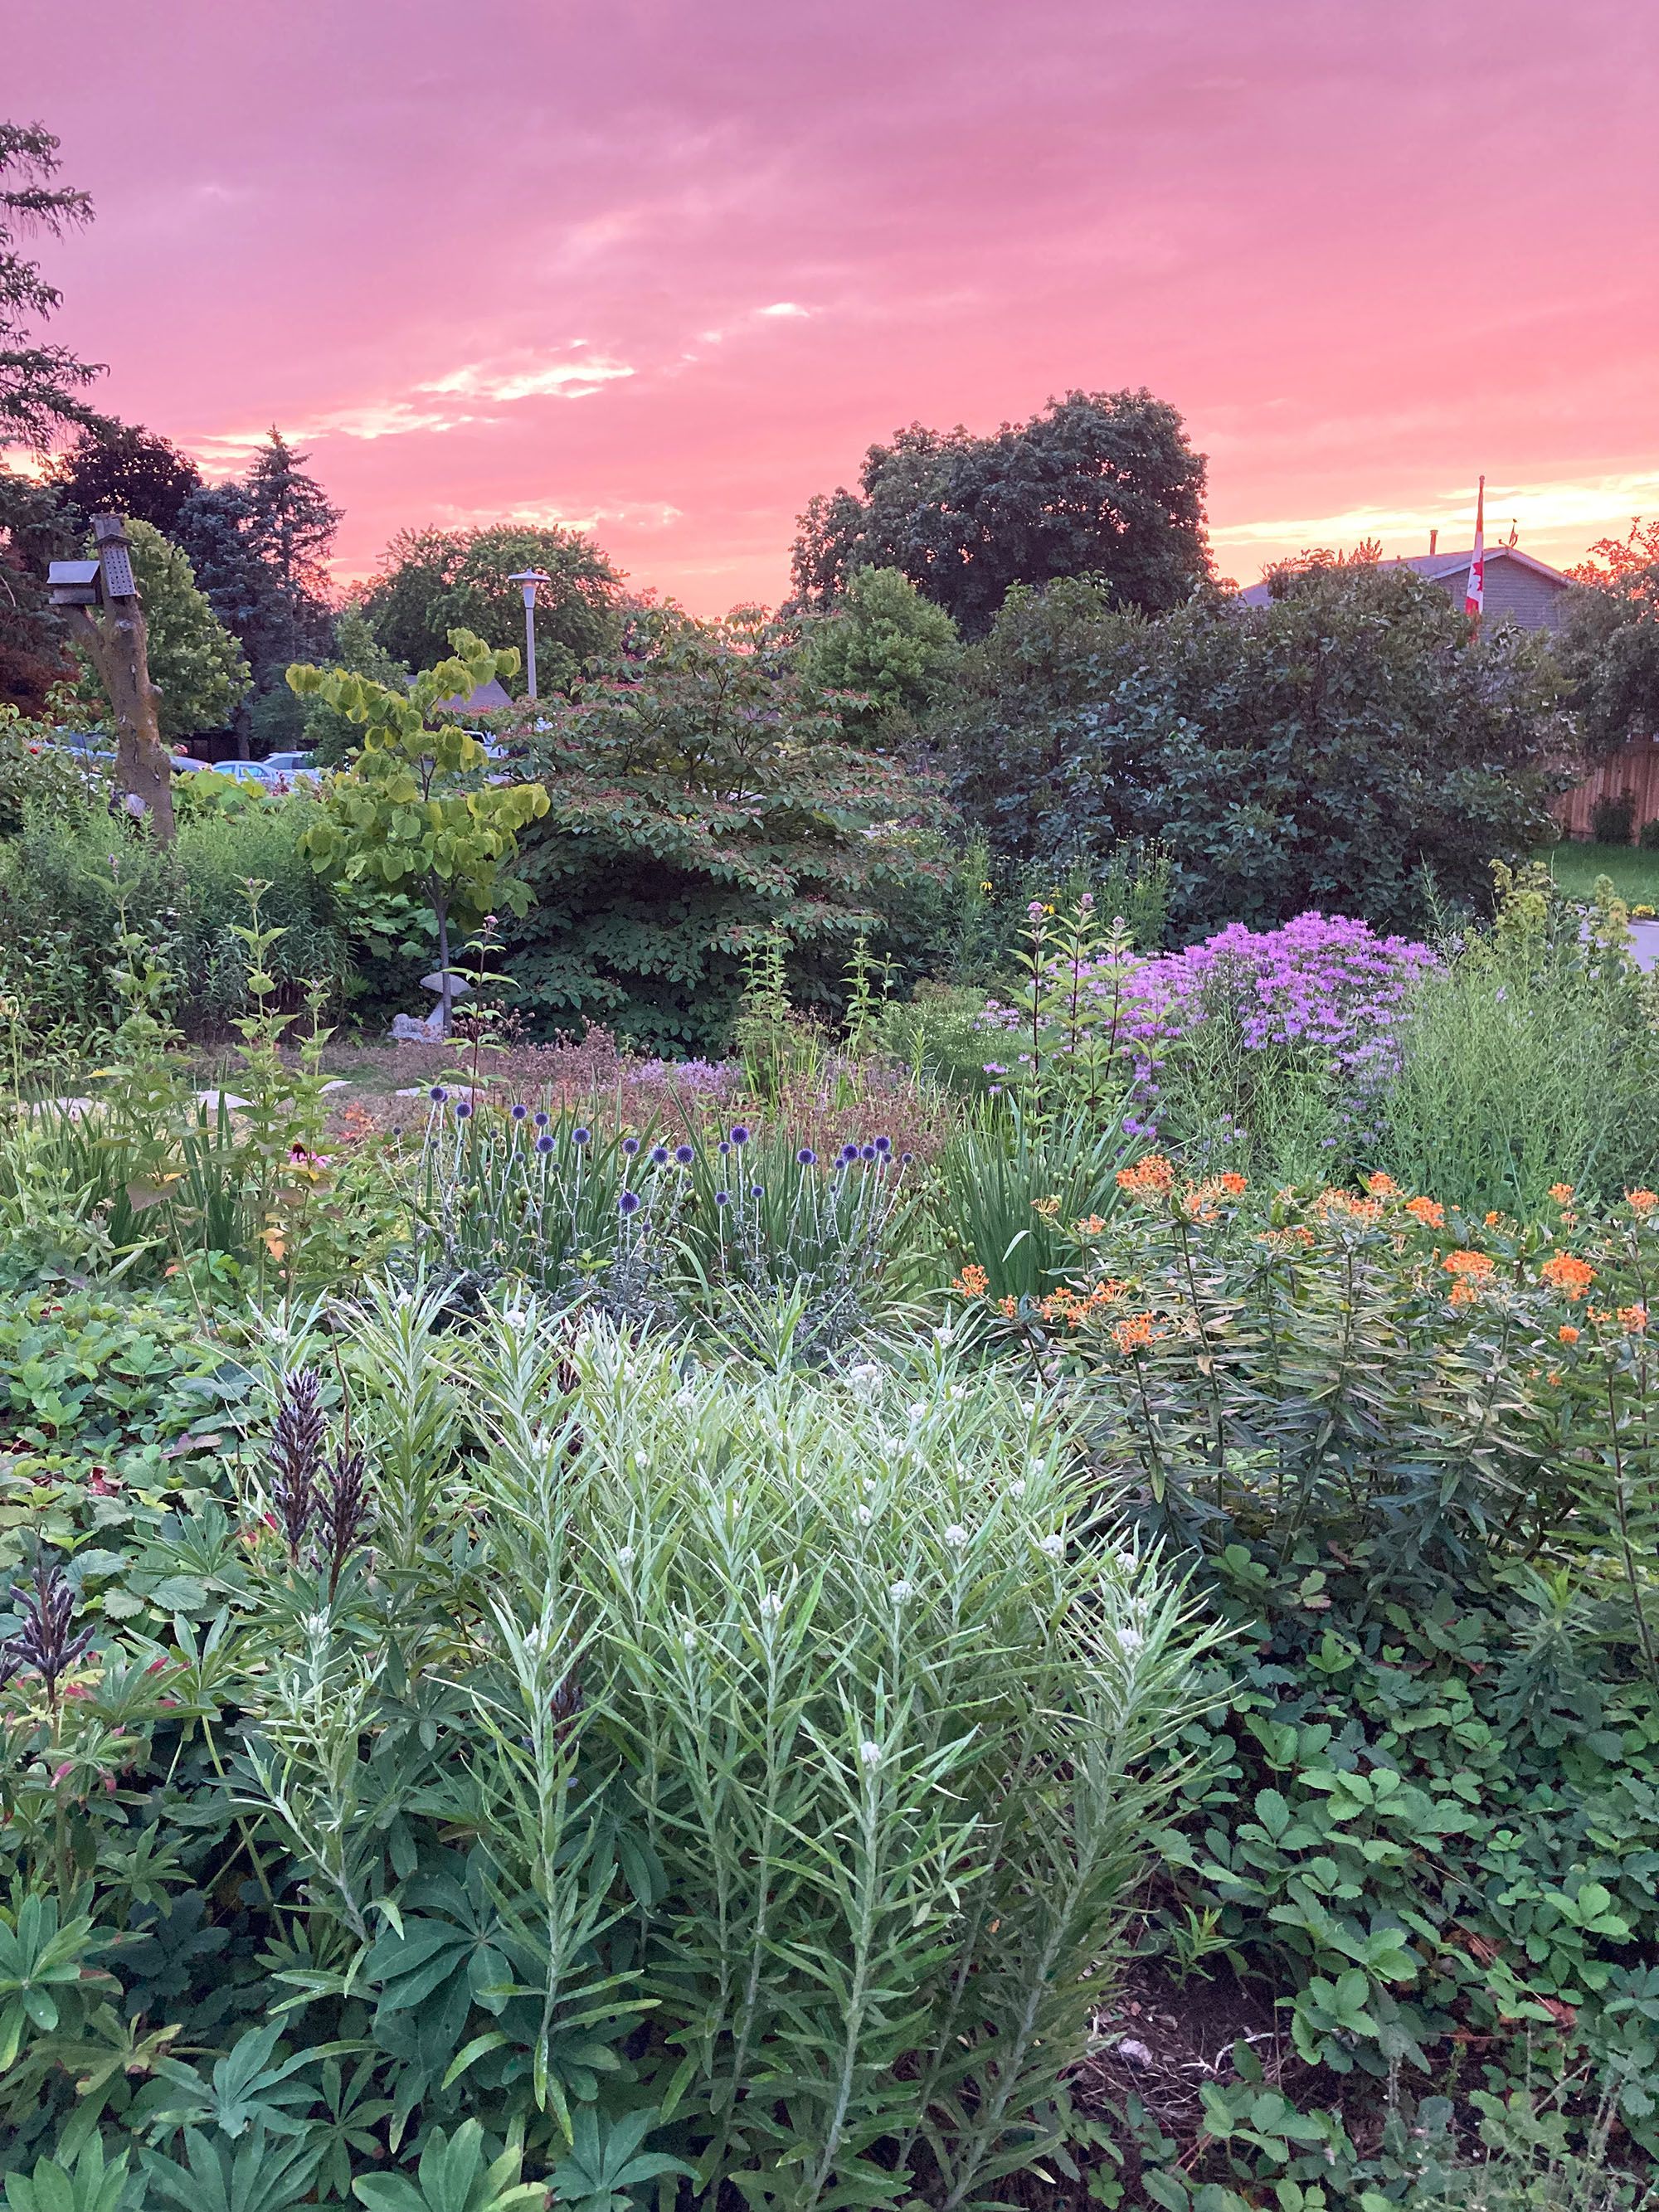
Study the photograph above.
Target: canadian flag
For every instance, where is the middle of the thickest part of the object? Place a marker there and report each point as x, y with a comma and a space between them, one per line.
1474, 591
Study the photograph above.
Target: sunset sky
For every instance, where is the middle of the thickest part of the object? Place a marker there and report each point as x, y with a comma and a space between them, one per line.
664, 271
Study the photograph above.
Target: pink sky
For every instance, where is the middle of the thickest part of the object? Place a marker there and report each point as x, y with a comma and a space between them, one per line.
664, 271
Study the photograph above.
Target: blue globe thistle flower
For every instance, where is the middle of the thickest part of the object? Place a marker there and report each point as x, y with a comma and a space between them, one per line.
630, 1146
849, 1152
542, 1120
684, 1155
543, 1144
807, 1156
437, 1094
581, 1136
659, 1156
906, 1158
725, 1147
629, 1202
758, 1190
883, 1146
463, 1108
722, 1198
519, 1112
740, 1134
867, 1152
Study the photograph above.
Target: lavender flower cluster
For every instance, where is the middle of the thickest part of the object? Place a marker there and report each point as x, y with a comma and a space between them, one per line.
1323, 982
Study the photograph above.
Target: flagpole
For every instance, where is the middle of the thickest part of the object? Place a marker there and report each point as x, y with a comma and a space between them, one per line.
1474, 591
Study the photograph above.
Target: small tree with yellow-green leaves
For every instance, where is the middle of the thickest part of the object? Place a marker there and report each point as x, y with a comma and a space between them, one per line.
418, 806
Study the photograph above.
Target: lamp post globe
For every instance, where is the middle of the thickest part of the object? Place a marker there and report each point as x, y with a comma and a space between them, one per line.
527, 579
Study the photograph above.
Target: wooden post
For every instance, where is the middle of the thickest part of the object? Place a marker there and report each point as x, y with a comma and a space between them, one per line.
144, 768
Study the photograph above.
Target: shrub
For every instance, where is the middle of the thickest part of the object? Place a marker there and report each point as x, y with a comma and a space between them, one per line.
1612, 818
1649, 840
702, 796
1351, 744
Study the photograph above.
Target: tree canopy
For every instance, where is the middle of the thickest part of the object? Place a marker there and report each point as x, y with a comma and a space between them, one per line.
122, 468
1609, 648
39, 383
703, 793
418, 805
196, 665
432, 581
884, 642
1101, 483
1338, 748
34, 530
259, 546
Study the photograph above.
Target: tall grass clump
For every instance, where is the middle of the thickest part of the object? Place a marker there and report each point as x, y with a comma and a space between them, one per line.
785, 1763
1530, 1059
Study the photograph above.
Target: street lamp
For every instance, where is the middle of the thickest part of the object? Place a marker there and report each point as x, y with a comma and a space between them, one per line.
529, 578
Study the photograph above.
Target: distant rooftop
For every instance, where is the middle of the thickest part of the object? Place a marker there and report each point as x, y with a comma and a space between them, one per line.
489, 699
1516, 584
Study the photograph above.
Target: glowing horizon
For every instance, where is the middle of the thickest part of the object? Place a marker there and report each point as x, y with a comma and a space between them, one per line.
665, 276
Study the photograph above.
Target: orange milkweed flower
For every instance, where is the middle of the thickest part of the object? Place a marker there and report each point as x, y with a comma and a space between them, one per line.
1131, 1334
1642, 1201
1152, 1177
1428, 1211
1464, 1292
1468, 1266
972, 1283
1561, 1192
1492, 1221
1382, 1186
1571, 1277
1567, 1332
1633, 1320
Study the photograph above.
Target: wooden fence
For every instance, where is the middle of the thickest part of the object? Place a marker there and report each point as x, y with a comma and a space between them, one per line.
1635, 771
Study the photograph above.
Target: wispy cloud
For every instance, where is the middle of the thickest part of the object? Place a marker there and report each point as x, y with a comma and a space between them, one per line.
783, 307
501, 382
1534, 507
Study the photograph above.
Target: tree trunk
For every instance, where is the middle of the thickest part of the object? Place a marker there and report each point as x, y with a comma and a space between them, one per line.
143, 768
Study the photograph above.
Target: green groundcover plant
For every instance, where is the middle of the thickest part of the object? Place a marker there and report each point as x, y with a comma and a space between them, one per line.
545, 1763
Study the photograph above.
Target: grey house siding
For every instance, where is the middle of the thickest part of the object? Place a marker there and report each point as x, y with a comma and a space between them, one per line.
1534, 601
1534, 594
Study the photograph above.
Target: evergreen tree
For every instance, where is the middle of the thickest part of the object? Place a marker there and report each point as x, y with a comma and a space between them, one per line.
291, 527
38, 382
215, 529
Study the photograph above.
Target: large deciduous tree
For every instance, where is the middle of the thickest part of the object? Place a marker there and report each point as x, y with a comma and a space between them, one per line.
1101, 484
122, 468
1354, 746
41, 383
432, 581
703, 795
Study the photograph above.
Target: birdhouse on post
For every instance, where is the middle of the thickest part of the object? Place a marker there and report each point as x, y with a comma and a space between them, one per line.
101, 597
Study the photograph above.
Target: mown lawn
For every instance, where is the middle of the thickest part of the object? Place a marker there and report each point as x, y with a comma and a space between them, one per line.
1635, 873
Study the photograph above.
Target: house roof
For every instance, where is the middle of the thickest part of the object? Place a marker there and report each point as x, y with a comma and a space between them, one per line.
489, 699
1437, 567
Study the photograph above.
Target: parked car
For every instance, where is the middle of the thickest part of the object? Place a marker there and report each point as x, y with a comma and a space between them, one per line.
292, 763
241, 771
